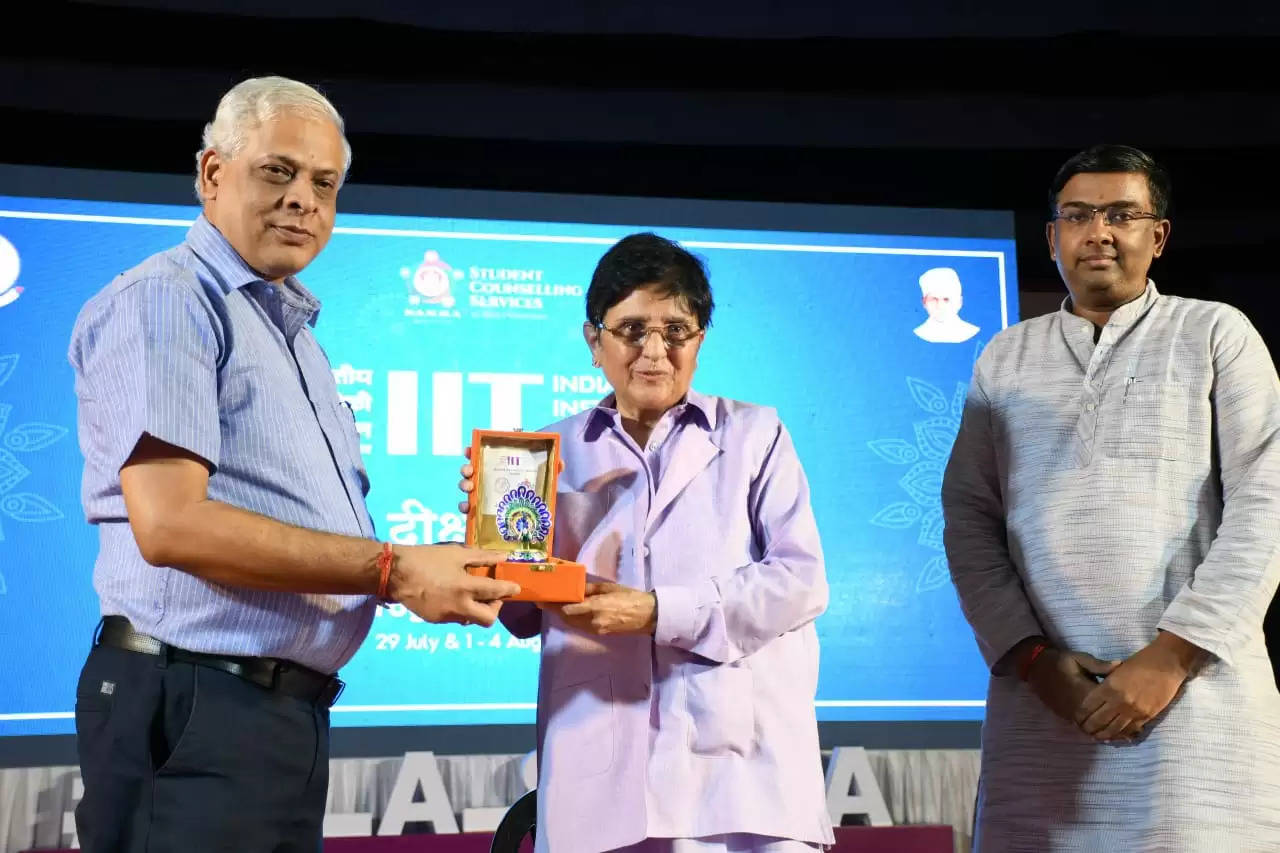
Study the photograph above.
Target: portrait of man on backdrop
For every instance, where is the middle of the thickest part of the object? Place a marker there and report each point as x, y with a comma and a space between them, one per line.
943, 298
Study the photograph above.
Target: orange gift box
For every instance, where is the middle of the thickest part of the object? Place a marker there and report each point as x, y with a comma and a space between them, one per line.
513, 508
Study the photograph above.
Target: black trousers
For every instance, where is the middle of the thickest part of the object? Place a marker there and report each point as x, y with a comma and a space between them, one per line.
181, 757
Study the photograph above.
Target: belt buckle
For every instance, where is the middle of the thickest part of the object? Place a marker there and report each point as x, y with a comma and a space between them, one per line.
329, 696
267, 679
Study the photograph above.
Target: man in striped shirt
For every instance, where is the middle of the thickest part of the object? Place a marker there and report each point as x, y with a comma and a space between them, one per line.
237, 569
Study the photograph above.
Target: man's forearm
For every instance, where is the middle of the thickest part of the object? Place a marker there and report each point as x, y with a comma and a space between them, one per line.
233, 546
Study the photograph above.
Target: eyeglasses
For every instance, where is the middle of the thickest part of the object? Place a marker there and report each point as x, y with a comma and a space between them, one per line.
674, 335
1116, 216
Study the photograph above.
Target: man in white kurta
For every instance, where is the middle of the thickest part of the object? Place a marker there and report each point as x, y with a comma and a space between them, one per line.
1114, 491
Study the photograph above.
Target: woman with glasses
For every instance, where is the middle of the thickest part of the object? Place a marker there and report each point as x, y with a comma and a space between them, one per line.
675, 704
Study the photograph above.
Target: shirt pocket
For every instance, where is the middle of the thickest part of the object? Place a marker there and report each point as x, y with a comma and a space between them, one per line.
1147, 421
721, 704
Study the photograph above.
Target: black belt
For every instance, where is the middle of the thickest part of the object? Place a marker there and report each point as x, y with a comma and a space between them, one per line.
270, 673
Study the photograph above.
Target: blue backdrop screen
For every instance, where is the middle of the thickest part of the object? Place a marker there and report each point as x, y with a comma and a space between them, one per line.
446, 310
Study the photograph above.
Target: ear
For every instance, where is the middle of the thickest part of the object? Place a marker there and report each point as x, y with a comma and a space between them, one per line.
1161, 235
1051, 234
210, 174
591, 335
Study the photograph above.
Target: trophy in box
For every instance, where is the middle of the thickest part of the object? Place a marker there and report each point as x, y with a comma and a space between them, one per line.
513, 509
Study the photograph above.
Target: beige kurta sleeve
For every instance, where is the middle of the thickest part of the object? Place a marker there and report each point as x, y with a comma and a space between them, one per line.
1223, 605
989, 586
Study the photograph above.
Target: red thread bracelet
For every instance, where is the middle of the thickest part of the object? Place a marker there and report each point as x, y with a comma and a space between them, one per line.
384, 570
1025, 670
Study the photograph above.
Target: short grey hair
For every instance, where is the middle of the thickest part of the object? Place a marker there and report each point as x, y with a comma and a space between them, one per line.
255, 101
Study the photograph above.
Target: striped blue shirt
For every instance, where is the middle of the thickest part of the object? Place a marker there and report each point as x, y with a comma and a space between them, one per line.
195, 348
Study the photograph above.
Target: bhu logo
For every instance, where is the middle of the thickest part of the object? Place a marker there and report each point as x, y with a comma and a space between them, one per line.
431, 282
9, 267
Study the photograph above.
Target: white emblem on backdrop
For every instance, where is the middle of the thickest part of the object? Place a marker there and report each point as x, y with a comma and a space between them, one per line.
9, 268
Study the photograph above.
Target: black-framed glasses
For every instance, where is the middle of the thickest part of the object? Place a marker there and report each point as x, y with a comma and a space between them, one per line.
674, 335
1116, 215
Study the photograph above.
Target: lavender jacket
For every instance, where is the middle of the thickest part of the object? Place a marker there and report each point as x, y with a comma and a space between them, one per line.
708, 726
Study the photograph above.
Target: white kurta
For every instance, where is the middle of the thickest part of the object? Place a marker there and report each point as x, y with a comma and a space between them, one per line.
1095, 494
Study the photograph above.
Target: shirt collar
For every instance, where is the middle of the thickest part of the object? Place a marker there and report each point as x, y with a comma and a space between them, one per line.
1128, 313
696, 407
233, 273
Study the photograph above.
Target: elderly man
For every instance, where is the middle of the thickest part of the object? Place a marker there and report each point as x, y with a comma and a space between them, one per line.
237, 569
943, 298
1113, 530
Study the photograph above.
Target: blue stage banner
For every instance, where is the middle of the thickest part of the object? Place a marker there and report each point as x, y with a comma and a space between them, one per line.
864, 342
